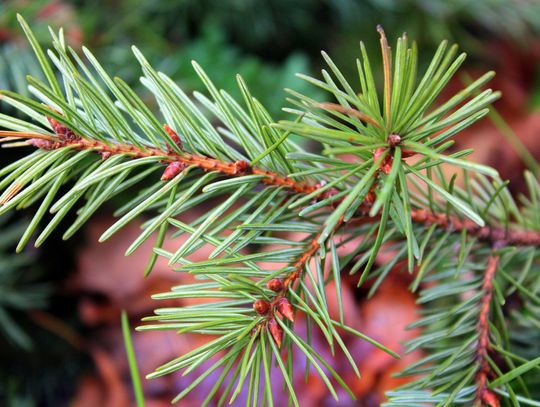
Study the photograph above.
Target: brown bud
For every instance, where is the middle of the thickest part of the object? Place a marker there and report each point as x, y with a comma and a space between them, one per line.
105, 155
172, 170
276, 331
285, 308
387, 166
241, 166
70, 135
394, 140
276, 284
261, 307
63, 132
175, 137
490, 399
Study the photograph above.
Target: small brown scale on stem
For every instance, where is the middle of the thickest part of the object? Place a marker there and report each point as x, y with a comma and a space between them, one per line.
261, 307
45, 144
172, 170
105, 155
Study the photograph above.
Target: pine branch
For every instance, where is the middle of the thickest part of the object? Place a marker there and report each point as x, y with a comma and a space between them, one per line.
464, 332
279, 306
95, 138
179, 161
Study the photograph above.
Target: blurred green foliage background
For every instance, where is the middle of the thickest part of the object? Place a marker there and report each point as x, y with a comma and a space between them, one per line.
266, 41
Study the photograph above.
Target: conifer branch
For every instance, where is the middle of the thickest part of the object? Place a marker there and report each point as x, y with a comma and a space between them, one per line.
299, 264
279, 306
439, 228
489, 234
78, 143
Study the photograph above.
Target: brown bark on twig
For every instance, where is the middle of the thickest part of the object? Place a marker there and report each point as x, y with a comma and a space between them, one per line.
484, 396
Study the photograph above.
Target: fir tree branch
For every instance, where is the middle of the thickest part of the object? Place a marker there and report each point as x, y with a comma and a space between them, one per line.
238, 168
489, 234
484, 396
299, 264
279, 304
410, 207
